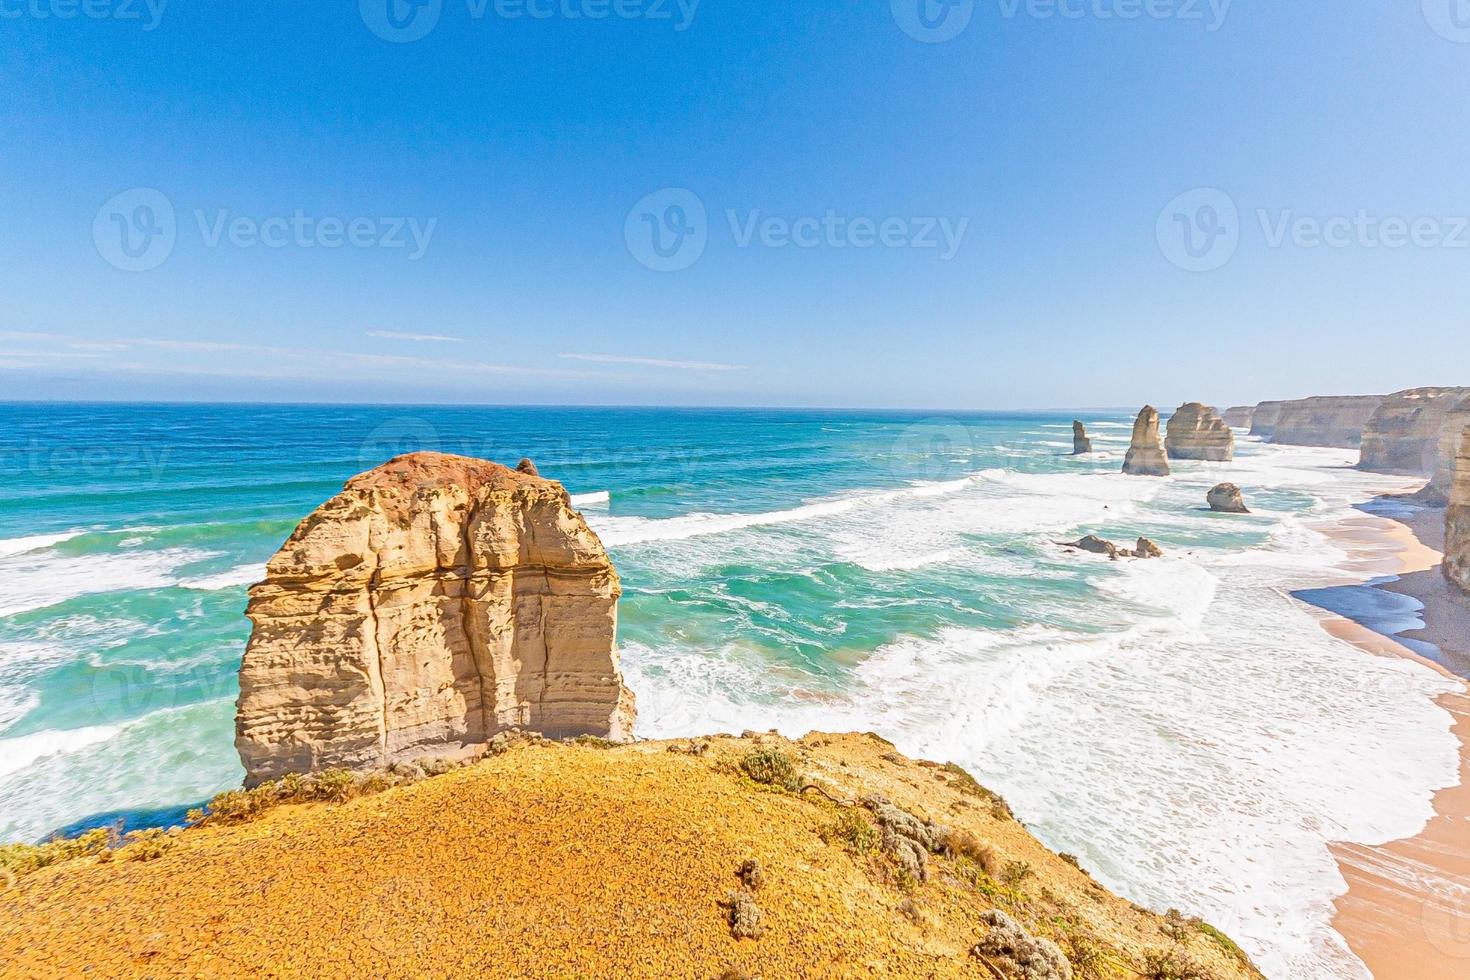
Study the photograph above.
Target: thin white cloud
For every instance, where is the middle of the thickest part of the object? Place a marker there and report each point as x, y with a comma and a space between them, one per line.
418, 338
654, 362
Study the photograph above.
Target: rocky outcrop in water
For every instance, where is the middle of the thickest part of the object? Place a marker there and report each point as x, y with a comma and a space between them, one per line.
1227, 499
1197, 431
1331, 421
434, 603
1081, 444
1457, 517
1240, 417
1437, 493
1146, 453
1092, 544
1403, 435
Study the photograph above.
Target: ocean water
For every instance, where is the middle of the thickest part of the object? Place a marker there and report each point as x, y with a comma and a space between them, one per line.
1184, 726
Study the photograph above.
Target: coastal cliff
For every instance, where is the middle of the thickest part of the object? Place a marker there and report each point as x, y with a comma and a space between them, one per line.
1197, 431
1451, 431
1240, 416
435, 602
1264, 418
1332, 421
1404, 434
1457, 517
829, 856
1146, 451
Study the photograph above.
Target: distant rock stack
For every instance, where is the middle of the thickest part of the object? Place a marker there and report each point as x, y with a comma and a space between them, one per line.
1227, 499
1403, 436
527, 467
1146, 453
434, 603
1240, 417
1437, 494
1197, 431
1457, 518
1081, 444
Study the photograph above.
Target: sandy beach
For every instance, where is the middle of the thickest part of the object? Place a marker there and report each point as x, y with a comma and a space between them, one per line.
1407, 910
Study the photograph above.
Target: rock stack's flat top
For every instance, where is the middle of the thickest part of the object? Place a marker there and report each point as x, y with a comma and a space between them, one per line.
436, 601
1146, 453
1457, 517
1197, 431
570, 861
1403, 436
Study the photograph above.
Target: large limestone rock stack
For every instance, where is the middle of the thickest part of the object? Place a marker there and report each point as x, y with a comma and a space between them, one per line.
1146, 453
1081, 444
1450, 431
1457, 518
1197, 431
433, 603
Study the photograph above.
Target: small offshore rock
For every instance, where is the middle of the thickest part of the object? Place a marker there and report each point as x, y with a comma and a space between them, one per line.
1227, 499
1081, 444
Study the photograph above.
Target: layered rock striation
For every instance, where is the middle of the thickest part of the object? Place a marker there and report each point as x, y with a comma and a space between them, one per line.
1457, 517
1146, 452
1197, 431
1081, 444
1404, 434
433, 603
1332, 421
1437, 493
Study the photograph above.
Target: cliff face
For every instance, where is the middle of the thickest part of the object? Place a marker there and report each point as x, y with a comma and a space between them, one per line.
1264, 418
1146, 453
1196, 431
1450, 432
1404, 434
1335, 421
433, 603
1240, 417
1457, 517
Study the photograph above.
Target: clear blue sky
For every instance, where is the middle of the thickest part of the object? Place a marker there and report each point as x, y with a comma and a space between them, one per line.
528, 141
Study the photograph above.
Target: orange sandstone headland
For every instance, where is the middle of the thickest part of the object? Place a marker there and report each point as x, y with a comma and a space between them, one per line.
831, 856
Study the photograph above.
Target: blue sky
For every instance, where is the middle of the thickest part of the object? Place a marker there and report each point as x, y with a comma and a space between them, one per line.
984, 221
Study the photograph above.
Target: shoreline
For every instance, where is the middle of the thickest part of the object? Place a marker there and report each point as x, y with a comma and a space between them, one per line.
1408, 900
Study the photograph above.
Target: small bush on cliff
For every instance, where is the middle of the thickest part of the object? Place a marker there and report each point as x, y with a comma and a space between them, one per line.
772, 767
21, 859
1173, 964
852, 830
146, 845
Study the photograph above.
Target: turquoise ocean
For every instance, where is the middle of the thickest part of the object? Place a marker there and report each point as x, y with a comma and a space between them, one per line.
1184, 726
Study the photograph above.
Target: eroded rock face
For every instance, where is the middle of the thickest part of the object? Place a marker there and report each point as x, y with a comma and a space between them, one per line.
1146, 453
1081, 444
1264, 418
1404, 434
1227, 499
1437, 493
1457, 518
1240, 417
433, 603
1197, 431
1331, 421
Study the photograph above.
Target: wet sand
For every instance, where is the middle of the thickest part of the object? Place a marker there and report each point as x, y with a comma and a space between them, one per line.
1407, 910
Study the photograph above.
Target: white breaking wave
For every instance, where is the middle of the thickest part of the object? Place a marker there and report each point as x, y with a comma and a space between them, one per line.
38, 542
597, 499
1198, 738
231, 579
18, 753
27, 584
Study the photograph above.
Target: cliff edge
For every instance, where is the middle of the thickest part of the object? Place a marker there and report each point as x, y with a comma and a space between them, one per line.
1457, 517
436, 601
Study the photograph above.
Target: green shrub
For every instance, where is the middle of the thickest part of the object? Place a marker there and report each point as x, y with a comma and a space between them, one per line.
1014, 873
21, 859
852, 830
772, 767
